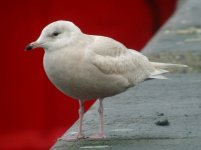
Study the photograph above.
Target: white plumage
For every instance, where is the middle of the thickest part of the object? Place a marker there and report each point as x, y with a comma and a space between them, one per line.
92, 67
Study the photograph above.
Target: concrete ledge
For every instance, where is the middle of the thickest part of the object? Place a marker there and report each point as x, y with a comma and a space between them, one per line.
155, 144
130, 117
179, 40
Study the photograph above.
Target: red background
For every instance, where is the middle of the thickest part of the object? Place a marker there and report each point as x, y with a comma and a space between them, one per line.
33, 112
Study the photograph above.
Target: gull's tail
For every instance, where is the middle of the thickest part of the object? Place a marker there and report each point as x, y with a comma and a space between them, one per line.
160, 69
166, 65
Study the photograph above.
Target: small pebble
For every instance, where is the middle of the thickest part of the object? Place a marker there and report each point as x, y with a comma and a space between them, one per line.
160, 114
162, 123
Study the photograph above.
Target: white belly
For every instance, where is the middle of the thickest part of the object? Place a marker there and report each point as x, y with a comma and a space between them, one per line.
80, 79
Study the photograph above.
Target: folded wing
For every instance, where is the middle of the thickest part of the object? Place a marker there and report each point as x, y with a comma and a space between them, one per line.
111, 57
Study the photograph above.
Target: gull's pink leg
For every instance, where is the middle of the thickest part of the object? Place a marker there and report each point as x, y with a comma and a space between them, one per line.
101, 134
81, 114
80, 134
100, 110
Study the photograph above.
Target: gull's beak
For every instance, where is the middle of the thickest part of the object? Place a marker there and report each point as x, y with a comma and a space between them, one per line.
32, 45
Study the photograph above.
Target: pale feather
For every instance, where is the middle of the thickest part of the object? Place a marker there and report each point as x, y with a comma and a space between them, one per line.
166, 65
111, 57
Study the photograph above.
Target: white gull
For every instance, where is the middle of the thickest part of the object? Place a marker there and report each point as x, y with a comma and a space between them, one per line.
89, 67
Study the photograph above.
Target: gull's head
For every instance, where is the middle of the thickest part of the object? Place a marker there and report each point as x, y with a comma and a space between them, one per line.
56, 36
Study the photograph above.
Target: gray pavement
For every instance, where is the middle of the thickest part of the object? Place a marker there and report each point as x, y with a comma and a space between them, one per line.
179, 40
131, 117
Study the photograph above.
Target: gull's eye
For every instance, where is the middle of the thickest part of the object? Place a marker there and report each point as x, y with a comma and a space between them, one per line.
55, 33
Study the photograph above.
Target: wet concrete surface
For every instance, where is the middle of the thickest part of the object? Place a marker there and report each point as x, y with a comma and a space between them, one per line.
179, 40
130, 117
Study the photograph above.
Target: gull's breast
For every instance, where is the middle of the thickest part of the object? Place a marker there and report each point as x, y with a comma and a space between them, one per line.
75, 77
